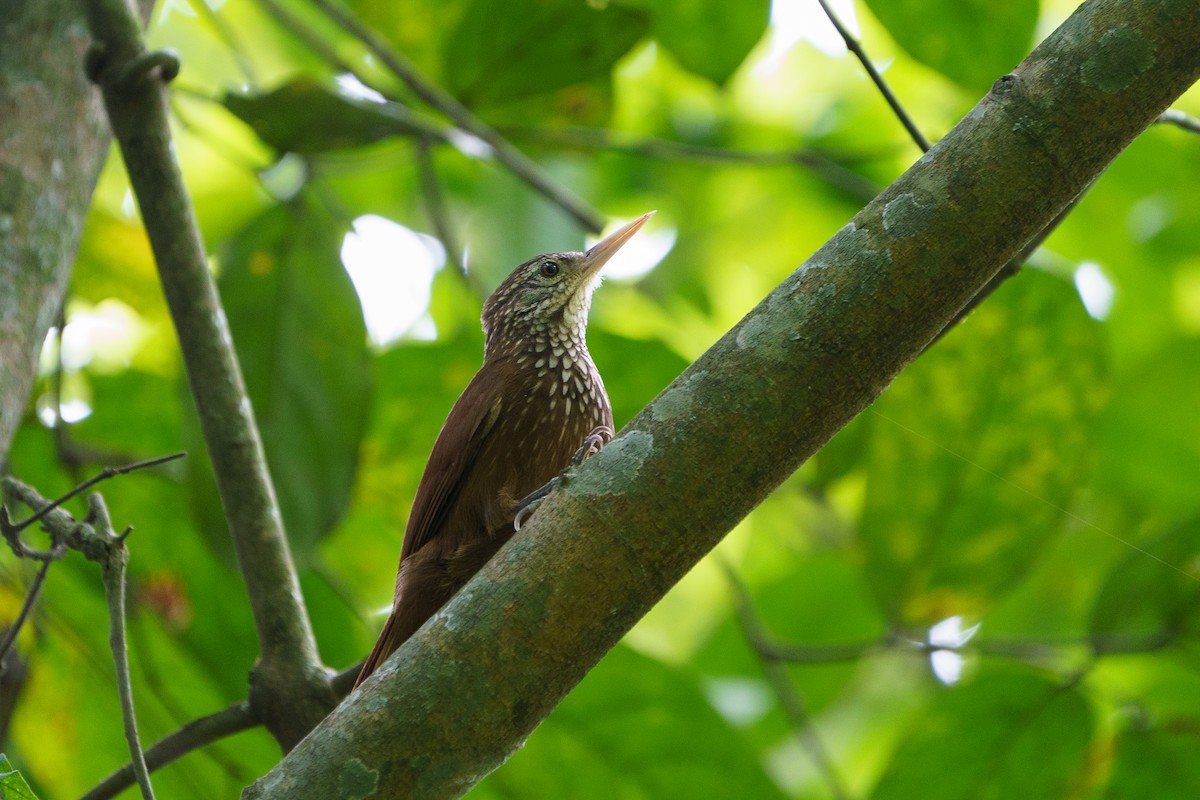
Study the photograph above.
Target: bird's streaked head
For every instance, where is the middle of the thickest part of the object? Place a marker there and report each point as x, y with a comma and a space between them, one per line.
547, 298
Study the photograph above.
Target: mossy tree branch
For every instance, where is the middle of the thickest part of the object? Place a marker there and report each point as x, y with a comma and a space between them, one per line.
462, 695
289, 688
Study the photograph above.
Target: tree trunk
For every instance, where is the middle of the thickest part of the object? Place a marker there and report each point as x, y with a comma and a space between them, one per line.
53, 140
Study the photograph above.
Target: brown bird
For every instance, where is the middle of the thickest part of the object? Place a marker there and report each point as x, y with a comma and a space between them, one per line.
518, 423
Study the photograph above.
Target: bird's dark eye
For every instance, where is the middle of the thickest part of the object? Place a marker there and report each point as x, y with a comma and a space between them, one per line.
549, 269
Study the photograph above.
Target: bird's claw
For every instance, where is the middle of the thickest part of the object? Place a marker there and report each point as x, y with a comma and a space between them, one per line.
533, 500
600, 436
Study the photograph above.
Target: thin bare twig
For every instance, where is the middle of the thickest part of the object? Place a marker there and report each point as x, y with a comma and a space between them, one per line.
112, 570
777, 676
854, 47
95, 539
435, 206
200, 733
11, 533
196, 734
105, 474
35, 587
437, 97
1176, 117
598, 139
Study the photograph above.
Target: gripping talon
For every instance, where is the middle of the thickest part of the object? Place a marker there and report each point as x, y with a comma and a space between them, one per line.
532, 501
600, 436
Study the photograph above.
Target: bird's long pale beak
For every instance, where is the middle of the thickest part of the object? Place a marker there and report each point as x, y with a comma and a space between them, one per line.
602, 251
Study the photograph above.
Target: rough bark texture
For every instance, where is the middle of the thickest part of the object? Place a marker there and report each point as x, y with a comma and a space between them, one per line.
53, 140
463, 694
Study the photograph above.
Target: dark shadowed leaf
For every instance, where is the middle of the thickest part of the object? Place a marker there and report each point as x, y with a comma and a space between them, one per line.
308, 116
1153, 591
972, 42
1159, 763
299, 332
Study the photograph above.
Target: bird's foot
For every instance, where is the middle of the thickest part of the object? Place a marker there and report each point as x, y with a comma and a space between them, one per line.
531, 502
600, 436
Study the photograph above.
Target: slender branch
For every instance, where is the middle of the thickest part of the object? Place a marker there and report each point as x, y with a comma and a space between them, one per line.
289, 686
435, 206
777, 676
95, 539
437, 97
854, 47
809, 654
315, 42
105, 474
196, 734
1011, 268
597, 139
35, 587
1032, 649
1176, 117
201, 733
113, 569
11, 533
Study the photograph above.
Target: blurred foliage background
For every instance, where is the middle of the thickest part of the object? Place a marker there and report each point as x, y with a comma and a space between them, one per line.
1025, 495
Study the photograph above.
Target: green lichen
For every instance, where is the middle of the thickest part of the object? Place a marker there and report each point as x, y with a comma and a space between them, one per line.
676, 400
1121, 57
616, 467
357, 781
906, 215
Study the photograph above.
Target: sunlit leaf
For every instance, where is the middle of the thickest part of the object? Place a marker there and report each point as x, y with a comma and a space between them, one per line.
680, 746
710, 37
977, 450
506, 49
12, 785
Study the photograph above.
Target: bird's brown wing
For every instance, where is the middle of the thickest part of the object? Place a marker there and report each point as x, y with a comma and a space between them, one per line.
457, 446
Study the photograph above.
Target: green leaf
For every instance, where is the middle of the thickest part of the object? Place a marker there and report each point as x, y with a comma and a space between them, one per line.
307, 116
634, 728
299, 333
1008, 733
1159, 763
12, 785
507, 49
1151, 433
710, 37
972, 42
977, 449
1149, 594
